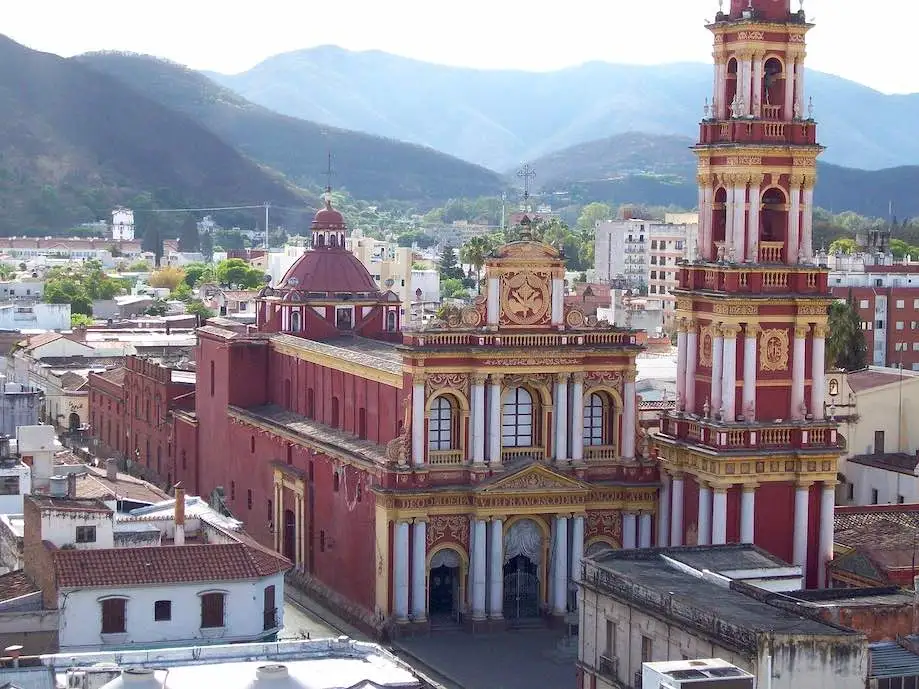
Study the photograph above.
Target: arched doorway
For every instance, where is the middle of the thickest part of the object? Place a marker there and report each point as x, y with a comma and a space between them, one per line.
73, 423
290, 535
444, 585
523, 548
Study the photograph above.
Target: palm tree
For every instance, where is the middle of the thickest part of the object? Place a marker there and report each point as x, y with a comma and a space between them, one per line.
474, 252
845, 346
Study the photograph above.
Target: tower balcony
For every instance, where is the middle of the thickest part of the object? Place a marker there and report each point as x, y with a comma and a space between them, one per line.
765, 277
764, 130
750, 436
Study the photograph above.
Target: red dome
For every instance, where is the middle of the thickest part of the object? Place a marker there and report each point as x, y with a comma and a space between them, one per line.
328, 218
329, 270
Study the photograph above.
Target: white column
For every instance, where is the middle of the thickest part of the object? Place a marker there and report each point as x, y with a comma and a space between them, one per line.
717, 354
800, 536
705, 515
560, 567
716, 91
663, 512
494, 418
558, 301
747, 514
799, 86
740, 226
676, 512
577, 417
494, 301
628, 418
478, 571
807, 215
629, 523
818, 373
751, 332
709, 210
794, 224
561, 418
644, 530
789, 90
729, 374
757, 87
797, 373
827, 511
681, 362
703, 218
577, 546
400, 571
418, 439
753, 225
692, 353
419, 571
729, 215
478, 419
496, 570
723, 106
719, 516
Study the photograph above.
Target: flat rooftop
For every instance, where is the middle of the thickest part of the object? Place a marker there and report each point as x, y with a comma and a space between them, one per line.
377, 354
855, 598
727, 558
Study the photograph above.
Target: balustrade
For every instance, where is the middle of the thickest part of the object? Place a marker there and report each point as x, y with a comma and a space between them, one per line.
771, 252
772, 112
774, 130
511, 453
601, 452
775, 436
774, 278
445, 457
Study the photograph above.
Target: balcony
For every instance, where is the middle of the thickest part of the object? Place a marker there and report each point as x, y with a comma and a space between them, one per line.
764, 278
510, 454
433, 338
772, 252
595, 452
763, 130
609, 667
818, 435
445, 458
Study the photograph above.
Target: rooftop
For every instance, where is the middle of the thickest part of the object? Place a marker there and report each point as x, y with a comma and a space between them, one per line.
730, 558
46, 502
890, 659
901, 462
376, 354
876, 377
14, 585
855, 597
94, 483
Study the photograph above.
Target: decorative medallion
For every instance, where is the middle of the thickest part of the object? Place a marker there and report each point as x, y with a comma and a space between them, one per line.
525, 298
453, 528
773, 350
471, 317
705, 348
575, 318
604, 524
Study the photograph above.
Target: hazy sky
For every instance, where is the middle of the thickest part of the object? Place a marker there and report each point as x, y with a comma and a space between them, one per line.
869, 42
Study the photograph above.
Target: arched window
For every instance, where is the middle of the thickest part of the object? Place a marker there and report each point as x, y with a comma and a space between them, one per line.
440, 425
598, 420
295, 321
517, 419
391, 320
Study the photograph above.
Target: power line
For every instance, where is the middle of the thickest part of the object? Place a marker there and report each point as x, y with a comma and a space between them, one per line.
191, 210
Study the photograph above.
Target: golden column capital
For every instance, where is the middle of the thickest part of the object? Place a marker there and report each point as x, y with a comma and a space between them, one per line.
419, 377
562, 377
801, 331
821, 330
478, 378
729, 330
496, 378
629, 376
752, 330
578, 377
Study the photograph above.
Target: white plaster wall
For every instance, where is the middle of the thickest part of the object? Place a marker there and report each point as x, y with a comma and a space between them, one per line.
81, 614
12, 504
813, 662
889, 484
60, 528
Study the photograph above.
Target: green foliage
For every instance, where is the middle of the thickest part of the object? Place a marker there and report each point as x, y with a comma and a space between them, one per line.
157, 308
196, 307
182, 292
230, 240
80, 320
6, 271
593, 213
207, 245
139, 267
448, 267
79, 287
235, 272
475, 251
194, 272
843, 246
189, 240
452, 288
416, 238
845, 346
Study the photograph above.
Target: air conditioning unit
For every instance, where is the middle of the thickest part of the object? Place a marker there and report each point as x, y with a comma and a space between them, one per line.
713, 673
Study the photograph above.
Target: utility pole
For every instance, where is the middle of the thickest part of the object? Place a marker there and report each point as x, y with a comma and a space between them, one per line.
267, 206
503, 210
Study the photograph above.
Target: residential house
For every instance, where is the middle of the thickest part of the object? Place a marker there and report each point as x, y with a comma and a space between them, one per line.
875, 545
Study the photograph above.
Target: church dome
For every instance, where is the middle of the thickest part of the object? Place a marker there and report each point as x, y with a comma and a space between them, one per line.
328, 270
328, 218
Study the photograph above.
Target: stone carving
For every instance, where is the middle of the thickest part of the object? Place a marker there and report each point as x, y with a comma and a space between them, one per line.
575, 318
447, 381
453, 528
706, 345
741, 309
525, 298
773, 350
604, 524
537, 480
530, 362
609, 379
471, 317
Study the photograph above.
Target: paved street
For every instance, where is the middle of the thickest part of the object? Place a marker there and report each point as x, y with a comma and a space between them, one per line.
302, 624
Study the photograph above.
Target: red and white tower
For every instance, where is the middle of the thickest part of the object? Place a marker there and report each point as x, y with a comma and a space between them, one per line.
749, 456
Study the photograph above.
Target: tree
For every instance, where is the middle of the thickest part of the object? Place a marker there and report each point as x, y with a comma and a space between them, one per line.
899, 248
846, 347
80, 320
197, 308
68, 291
189, 239
182, 292
236, 272
167, 277
194, 271
157, 308
207, 245
448, 267
593, 213
452, 288
474, 252
6, 271
843, 246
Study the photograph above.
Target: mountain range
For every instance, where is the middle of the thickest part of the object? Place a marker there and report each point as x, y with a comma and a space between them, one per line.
500, 118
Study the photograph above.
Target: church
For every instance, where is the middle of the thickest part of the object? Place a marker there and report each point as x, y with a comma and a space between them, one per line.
452, 475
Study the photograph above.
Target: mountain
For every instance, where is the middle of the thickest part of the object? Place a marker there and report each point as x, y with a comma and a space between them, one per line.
661, 170
369, 167
500, 118
74, 143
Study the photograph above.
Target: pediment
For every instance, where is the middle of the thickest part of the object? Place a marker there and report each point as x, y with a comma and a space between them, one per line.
535, 478
527, 250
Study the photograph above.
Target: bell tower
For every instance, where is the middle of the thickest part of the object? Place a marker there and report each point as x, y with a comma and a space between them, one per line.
749, 455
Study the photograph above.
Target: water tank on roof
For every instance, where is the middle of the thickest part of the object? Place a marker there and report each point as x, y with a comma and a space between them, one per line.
136, 678
275, 676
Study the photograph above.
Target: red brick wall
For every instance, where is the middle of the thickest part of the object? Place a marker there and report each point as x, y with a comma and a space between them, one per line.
106, 412
39, 566
878, 623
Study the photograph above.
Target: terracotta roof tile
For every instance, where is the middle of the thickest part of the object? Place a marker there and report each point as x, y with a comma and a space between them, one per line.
213, 562
114, 375
95, 484
16, 584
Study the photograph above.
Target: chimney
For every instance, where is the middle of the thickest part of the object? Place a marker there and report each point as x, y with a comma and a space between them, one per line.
111, 469
72, 486
58, 486
179, 514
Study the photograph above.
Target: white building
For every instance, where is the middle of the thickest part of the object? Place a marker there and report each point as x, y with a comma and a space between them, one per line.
316, 664
15, 481
657, 605
22, 289
710, 673
34, 316
122, 224
37, 446
173, 573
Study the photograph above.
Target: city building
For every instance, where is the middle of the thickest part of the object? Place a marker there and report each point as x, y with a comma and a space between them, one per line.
646, 256
388, 465
27, 287
122, 227
875, 545
35, 316
173, 573
19, 406
727, 602
236, 304
884, 613
709, 673
748, 454
390, 266
317, 664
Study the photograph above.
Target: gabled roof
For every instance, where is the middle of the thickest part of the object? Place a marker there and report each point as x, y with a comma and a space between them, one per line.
211, 563
534, 477
36, 341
